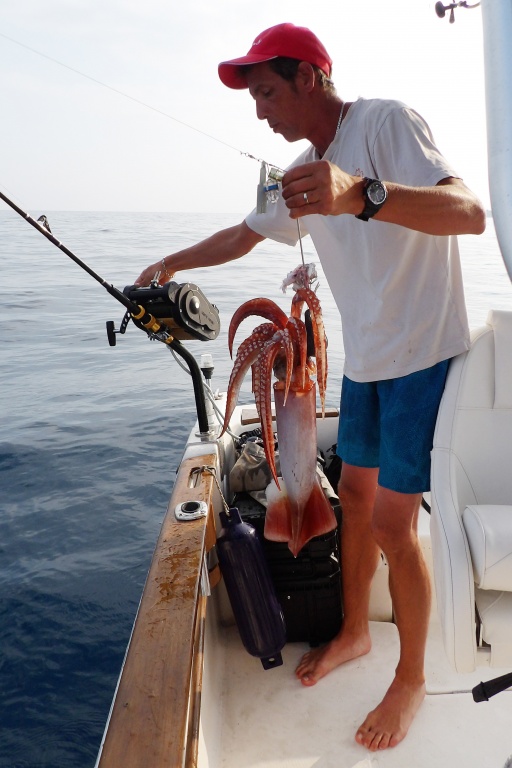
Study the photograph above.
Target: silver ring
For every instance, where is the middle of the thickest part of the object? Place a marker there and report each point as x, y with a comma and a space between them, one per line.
306, 198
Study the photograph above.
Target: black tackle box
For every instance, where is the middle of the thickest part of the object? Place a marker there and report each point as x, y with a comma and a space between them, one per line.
308, 586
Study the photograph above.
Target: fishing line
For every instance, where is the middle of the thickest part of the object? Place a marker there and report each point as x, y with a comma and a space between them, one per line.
273, 172
271, 175
10, 192
127, 96
300, 243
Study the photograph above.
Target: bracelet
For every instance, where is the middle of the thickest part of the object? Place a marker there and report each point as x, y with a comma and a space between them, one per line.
166, 270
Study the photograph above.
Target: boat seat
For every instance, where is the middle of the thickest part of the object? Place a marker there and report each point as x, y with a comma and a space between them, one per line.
471, 524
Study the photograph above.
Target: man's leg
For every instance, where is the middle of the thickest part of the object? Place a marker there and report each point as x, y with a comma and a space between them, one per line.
408, 411
359, 559
394, 528
391, 525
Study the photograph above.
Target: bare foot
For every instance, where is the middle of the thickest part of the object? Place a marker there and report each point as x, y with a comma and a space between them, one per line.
388, 724
317, 663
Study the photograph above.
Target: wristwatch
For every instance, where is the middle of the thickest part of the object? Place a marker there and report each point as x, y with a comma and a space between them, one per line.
375, 195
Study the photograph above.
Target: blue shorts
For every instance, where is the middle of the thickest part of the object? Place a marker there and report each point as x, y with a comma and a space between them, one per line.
390, 424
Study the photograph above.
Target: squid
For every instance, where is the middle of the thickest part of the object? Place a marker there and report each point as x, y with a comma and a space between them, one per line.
297, 509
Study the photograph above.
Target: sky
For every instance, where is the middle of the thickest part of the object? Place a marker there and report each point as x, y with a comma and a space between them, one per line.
69, 143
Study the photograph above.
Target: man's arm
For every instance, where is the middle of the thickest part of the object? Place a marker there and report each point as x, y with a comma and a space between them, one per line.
449, 208
223, 246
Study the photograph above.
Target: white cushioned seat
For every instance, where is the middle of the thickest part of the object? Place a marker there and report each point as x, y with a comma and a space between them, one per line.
489, 531
495, 613
472, 500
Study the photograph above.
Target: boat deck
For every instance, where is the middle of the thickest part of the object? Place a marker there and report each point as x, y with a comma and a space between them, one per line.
266, 719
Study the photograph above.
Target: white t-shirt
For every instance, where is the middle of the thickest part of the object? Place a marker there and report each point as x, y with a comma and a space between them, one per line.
399, 292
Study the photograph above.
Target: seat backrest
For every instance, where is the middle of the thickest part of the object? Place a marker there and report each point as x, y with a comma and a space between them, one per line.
475, 417
471, 464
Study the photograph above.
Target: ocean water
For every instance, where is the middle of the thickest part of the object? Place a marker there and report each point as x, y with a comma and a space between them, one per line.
90, 439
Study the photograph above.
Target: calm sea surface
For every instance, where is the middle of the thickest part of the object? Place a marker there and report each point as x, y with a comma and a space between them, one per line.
90, 438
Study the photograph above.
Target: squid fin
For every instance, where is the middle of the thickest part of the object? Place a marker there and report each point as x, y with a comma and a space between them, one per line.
318, 518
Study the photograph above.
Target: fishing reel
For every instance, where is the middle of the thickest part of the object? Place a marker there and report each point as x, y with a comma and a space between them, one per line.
183, 309
166, 313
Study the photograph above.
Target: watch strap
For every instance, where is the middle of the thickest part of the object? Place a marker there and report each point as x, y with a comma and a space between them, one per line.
370, 209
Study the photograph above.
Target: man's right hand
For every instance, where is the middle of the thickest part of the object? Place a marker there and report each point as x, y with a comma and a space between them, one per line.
149, 274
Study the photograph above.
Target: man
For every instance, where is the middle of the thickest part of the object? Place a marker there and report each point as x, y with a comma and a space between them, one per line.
382, 207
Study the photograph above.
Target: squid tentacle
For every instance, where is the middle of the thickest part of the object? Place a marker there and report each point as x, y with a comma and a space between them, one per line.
306, 295
264, 407
262, 373
248, 352
286, 353
298, 332
264, 308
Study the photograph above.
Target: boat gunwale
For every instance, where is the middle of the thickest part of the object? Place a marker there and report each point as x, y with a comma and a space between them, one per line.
160, 674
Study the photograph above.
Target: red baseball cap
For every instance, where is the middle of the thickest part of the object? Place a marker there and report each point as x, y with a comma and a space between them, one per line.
282, 40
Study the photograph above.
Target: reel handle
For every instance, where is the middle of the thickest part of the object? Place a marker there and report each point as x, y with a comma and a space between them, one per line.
111, 329
111, 333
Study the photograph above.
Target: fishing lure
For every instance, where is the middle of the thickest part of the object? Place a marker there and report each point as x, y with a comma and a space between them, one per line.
268, 187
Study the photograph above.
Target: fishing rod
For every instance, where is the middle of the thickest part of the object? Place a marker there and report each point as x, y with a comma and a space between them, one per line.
167, 313
45, 230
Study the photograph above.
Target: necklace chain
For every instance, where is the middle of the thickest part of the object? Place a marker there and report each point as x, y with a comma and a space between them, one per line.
340, 117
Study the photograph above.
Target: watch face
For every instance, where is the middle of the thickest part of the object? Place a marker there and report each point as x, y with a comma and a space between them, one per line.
376, 192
